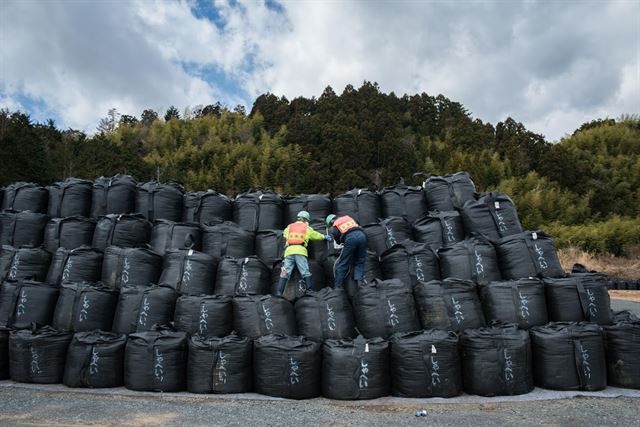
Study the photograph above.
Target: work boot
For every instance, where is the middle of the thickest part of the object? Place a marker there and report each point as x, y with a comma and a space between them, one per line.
361, 282
309, 283
281, 285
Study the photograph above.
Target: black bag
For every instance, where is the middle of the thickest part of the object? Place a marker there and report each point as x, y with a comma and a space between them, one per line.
318, 205
83, 264
437, 229
355, 369
27, 302
569, 356
528, 254
242, 276
326, 314
320, 250
371, 271
383, 308
22, 228
472, 259
68, 233
125, 266
269, 246
448, 305
515, 301
496, 361
411, 263
189, 272
204, 206
386, 233
255, 316
205, 315
446, 193
403, 201
85, 307
95, 360
425, 364
156, 361
622, 341
38, 356
227, 239
578, 297
156, 200
24, 263
25, 196
4, 353
493, 215
258, 211
296, 285
168, 235
220, 365
113, 195
121, 230
287, 367
360, 204
71, 197
141, 307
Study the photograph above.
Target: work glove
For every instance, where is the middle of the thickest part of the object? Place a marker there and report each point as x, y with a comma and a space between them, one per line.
328, 238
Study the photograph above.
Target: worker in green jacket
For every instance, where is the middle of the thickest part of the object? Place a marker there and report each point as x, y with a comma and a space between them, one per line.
296, 237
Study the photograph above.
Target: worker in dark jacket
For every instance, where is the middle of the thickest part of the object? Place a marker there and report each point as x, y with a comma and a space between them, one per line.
346, 231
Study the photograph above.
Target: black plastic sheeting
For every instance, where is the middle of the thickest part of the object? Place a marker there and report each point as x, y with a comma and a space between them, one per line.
220, 365
71, 197
296, 286
410, 263
124, 266
578, 297
24, 263
205, 206
355, 369
189, 272
95, 360
425, 364
38, 356
255, 316
623, 347
4, 353
449, 305
258, 211
318, 206
83, 264
25, 196
157, 200
156, 361
205, 315
472, 259
493, 215
22, 228
113, 195
528, 254
437, 229
141, 307
68, 233
326, 314
446, 193
286, 366
269, 246
242, 276
27, 302
360, 204
371, 271
121, 230
515, 301
227, 239
403, 201
569, 356
385, 307
496, 361
85, 307
386, 233
168, 235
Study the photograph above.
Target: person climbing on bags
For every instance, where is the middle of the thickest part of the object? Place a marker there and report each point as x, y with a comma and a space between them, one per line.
345, 230
296, 237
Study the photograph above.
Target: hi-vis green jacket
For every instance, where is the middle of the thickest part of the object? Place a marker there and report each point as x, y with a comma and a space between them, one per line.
300, 249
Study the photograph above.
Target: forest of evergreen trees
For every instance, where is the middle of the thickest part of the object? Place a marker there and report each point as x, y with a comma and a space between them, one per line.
585, 189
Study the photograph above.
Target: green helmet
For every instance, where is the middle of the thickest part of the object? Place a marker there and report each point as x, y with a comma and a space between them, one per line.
329, 219
304, 215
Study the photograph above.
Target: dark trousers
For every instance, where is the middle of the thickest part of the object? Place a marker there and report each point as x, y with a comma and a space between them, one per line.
355, 248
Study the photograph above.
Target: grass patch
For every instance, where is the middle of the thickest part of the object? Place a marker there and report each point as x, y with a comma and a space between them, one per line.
618, 267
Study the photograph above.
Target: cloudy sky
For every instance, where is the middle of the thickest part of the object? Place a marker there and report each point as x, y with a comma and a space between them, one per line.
549, 64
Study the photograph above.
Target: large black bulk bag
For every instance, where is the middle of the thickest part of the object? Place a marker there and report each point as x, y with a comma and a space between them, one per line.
205, 315
515, 301
371, 271
622, 341
326, 314
569, 356
321, 249
318, 206
83, 264
156, 361
438, 229
493, 215
167, 235
255, 316
189, 272
472, 259
449, 305
227, 238
287, 367
384, 307
297, 286
38, 356
27, 302
4, 353
71, 197
85, 307
25, 196
496, 361
124, 266
157, 200
446, 193
578, 297
95, 360
141, 307
269, 246
258, 211
386, 233
528, 254
22, 228
355, 369
220, 365
242, 276
360, 204
113, 195
121, 230
425, 364
24, 263
410, 263
403, 201
68, 233
204, 206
